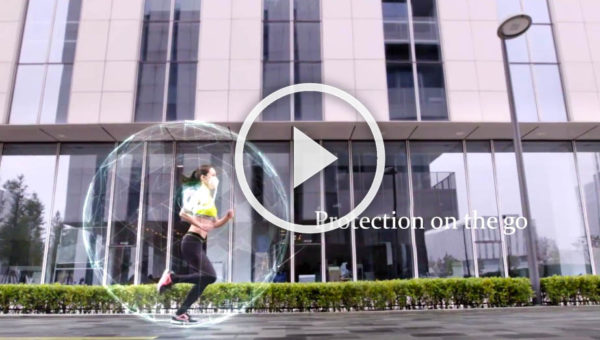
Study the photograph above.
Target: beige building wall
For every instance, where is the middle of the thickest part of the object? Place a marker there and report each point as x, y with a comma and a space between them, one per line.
353, 55
229, 68
106, 62
473, 66
577, 36
12, 16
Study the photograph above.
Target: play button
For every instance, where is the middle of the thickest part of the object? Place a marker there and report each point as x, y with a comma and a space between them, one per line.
309, 157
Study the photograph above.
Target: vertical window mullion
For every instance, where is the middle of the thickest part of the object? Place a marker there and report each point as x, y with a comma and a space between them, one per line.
49, 217
113, 179
411, 209
292, 23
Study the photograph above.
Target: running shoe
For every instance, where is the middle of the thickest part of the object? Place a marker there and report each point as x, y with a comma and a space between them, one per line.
165, 282
183, 319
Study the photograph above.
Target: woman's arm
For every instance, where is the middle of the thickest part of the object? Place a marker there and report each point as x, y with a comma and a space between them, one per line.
220, 222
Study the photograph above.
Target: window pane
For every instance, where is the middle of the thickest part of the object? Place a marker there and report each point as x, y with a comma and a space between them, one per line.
401, 91
428, 52
36, 34
509, 196
523, 93
308, 105
423, 9
307, 41
276, 76
337, 204
383, 253
397, 52
431, 91
396, 32
517, 50
276, 44
555, 209
306, 10
70, 244
260, 245
122, 247
276, 10
157, 10
549, 90
150, 93
395, 10
27, 94
56, 94
154, 41
182, 91
185, 41
156, 212
588, 158
483, 204
307, 248
541, 44
26, 200
538, 10
187, 10
64, 35
190, 156
440, 191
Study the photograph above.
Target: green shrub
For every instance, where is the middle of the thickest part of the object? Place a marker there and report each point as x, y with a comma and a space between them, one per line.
559, 290
279, 297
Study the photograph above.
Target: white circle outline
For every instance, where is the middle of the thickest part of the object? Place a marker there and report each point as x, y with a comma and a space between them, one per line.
239, 153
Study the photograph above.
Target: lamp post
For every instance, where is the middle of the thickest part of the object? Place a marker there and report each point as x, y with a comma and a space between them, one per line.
511, 28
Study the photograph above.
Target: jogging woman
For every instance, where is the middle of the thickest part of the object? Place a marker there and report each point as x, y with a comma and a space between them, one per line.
200, 212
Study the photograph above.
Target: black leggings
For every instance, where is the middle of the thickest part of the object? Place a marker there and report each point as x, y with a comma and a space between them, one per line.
201, 271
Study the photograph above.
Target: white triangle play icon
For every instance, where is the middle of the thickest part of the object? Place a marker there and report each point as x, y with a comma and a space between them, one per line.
309, 157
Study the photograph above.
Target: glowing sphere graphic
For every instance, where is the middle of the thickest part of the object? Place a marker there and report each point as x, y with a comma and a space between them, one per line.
132, 227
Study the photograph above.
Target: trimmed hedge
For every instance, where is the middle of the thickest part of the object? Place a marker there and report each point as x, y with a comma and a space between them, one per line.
570, 290
272, 297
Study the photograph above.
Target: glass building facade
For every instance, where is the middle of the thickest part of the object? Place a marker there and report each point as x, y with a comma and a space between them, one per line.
42, 236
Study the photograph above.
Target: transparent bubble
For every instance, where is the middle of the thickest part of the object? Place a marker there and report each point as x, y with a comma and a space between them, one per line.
147, 173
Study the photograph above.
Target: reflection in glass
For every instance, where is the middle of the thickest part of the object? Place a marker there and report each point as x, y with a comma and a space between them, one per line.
395, 10
401, 91
36, 33
276, 46
68, 260
257, 243
187, 10
432, 94
336, 183
307, 247
439, 186
27, 94
541, 44
382, 253
155, 221
276, 76
483, 204
588, 160
551, 104
306, 10
276, 10
538, 10
181, 97
186, 37
150, 92
523, 93
509, 197
190, 156
555, 209
155, 37
156, 10
56, 94
122, 247
308, 105
307, 41
26, 183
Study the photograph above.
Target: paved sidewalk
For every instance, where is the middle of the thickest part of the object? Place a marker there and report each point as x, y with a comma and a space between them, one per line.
499, 323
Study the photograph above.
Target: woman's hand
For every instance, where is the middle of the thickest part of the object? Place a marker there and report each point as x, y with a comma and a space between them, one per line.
229, 214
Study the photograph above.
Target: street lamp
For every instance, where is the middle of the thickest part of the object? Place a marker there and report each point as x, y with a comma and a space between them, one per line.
509, 29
